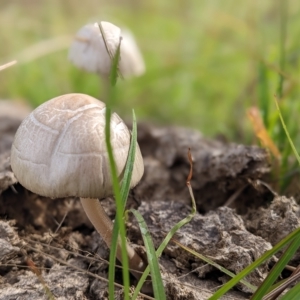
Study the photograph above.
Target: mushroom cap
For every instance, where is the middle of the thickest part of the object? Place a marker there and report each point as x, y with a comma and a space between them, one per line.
131, 60
59, 149
88, 51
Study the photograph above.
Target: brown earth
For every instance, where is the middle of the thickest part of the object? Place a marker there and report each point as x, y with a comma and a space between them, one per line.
239, 217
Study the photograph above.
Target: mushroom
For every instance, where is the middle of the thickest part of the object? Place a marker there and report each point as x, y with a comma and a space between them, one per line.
59, 151
89, 52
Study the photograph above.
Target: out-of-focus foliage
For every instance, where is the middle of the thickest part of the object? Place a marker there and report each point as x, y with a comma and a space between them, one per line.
203, 58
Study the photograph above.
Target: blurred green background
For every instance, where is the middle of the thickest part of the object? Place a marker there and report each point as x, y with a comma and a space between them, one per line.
207, 61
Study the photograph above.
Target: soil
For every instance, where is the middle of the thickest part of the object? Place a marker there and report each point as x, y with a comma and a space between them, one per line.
48, 246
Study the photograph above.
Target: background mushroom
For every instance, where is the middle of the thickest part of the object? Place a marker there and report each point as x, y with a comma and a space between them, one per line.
88, 51
59, 150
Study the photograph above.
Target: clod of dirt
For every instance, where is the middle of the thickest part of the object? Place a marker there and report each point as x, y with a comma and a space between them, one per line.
9, 240
276, 221
190, 287
177, 290
219, 168
219, 235
62, 281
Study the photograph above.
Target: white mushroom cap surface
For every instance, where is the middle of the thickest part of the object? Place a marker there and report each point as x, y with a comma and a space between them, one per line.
59, 149
131, 60
88, 51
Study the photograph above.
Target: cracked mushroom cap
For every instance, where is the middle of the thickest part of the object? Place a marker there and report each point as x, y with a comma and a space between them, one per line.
88, 51
59, 150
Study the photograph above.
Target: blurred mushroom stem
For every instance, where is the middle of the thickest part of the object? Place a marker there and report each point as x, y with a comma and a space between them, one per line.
105, 86
104, 226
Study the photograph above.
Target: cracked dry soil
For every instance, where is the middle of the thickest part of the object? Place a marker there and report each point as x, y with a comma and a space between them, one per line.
238, 219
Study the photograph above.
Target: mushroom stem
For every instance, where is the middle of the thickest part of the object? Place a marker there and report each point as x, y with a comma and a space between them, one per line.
104, 226
105, 87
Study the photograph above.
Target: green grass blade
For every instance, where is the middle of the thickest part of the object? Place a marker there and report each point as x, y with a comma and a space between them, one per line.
280, 286
292, 294
231, 283
116, 186
125, 187
286, 132
157, 283
263, 86
167, 239
281, 136
277, 269
211, 262
119, 218
283, 10
115, 57
161, 248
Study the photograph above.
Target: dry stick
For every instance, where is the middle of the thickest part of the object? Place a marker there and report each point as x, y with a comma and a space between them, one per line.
282, 287
43, 48
278, 290
258, 182
7, 65
190, 175
69, 204
59, 224
24, 266
13, 189
287, 267
192, 271
234, 196
91, 259
38, 274
81, 270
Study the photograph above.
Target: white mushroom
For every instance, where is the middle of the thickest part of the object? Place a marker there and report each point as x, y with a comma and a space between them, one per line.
88, 50
59, 151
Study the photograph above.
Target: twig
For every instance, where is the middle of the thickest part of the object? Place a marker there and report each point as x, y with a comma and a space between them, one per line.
235, 195
38, 274
7, 65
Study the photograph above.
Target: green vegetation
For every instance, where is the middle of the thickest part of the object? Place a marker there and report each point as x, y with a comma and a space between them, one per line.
204, 59
207, 63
